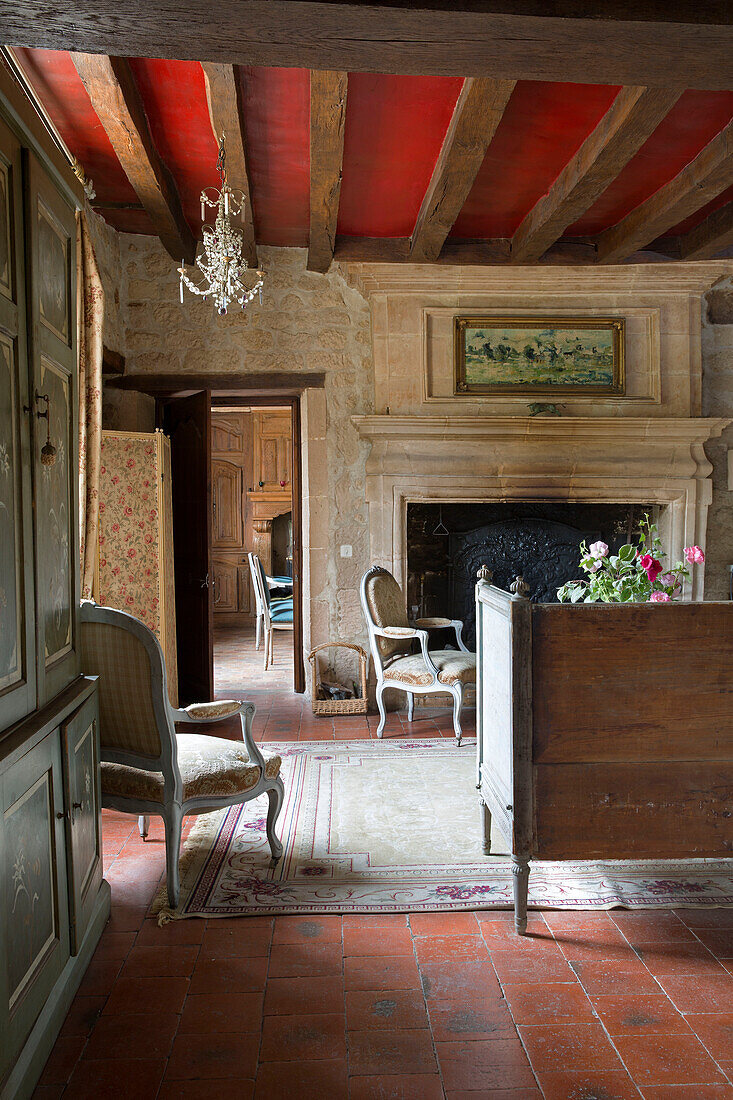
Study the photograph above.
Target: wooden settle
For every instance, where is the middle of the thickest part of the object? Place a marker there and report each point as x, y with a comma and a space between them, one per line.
605, 731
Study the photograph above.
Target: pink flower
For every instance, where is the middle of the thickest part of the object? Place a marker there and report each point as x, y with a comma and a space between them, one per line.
651, 566
659, 597
595, 566
598, 550
694, 555
668, 580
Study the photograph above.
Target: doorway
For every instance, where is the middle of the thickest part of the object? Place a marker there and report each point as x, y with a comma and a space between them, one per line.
236, 487
252, 511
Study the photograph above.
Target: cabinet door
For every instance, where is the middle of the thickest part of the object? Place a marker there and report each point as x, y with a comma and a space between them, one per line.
34, 922
227, 490
50, 258
17, 619
273, 449
229, 433
225, 585
80, 740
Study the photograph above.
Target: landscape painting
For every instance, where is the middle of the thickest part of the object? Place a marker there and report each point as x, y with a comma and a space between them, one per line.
539, 355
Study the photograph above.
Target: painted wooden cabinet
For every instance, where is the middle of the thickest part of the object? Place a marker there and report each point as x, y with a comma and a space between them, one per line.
17, 600
53, 900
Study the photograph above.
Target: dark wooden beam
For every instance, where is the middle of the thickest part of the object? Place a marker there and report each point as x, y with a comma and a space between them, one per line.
327, 122
606, 41
224, 96
703, 179
221, 384
575, 251
711, 236
476, 116
632, 118
118, 106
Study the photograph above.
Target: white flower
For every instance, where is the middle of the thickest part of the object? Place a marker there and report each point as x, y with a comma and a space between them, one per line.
598, 550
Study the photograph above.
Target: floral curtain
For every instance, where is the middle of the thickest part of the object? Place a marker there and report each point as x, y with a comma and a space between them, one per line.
90, 321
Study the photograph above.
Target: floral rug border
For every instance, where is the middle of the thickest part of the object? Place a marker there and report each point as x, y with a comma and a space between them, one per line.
471, 886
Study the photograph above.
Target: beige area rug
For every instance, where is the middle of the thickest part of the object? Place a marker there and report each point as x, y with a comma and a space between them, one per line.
393, 826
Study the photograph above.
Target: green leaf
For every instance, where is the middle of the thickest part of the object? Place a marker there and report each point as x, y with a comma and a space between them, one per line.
627, 552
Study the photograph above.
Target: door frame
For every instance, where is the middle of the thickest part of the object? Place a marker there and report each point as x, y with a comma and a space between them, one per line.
296, 482
247, 399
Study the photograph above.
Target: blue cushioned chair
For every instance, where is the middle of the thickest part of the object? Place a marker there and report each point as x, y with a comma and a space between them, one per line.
272, 615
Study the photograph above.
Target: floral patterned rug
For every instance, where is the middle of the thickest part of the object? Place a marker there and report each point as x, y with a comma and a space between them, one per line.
393, 826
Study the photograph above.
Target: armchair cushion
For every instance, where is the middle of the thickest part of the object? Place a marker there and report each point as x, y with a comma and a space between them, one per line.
203, 712
452, 666
210, 767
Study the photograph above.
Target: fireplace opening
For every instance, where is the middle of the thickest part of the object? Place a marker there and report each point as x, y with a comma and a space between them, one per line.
446, 544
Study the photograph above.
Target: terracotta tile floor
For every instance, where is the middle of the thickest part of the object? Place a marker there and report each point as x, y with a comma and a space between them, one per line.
589, 1006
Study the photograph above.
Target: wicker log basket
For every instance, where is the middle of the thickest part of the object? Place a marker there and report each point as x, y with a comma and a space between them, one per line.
326, 707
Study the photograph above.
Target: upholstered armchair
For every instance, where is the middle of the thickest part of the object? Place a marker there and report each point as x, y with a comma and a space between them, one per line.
390, 640
272, 614
148, 768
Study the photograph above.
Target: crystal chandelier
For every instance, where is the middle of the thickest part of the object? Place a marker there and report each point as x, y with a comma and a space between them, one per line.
220, 261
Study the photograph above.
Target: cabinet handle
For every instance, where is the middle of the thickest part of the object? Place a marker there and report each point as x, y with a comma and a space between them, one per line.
76, 805
63, 814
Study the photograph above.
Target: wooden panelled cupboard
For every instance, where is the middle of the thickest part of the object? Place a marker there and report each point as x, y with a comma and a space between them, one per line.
53, 900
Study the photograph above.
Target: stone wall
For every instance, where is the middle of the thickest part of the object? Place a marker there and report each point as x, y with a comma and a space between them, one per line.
717, 400
308, 323
314, 323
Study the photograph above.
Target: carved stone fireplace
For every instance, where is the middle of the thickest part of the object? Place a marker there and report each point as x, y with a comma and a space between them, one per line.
595, 460
446, 544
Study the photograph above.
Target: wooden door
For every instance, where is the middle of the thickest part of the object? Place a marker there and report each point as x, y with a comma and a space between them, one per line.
51, 261
228, 497
17, 634
80, 735
188, 422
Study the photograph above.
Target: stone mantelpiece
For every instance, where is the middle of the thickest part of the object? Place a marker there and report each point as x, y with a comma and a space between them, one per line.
413, 309
462, 458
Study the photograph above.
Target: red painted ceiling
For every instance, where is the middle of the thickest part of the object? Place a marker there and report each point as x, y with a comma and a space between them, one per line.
395, 126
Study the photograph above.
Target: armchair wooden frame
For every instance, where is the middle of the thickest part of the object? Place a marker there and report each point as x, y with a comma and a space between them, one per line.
174, 807
420, 634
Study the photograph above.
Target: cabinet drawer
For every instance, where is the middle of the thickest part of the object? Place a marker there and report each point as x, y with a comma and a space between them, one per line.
34, 921
80, 741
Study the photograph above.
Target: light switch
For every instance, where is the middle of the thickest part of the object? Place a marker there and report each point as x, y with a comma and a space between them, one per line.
346, 551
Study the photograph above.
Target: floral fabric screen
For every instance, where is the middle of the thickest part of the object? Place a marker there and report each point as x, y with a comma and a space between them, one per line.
135, 563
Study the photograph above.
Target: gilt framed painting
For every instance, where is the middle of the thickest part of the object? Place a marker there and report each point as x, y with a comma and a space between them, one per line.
539, 355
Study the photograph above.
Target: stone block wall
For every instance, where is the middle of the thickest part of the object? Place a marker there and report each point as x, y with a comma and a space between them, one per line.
309, 322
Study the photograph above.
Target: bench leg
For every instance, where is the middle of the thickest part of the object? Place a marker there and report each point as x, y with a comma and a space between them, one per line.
520, 872
485, 826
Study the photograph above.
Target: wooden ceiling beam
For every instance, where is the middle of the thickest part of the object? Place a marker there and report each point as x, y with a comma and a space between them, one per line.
631, 119
710, 237
577, 251
224, 96
476, 116
607, 42
703, 179
118, 106
327, 124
